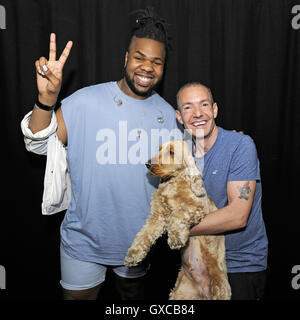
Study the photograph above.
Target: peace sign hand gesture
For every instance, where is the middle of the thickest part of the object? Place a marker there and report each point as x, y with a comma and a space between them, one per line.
49, 73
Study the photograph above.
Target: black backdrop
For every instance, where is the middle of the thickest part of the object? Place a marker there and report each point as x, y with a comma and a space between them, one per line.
246, 51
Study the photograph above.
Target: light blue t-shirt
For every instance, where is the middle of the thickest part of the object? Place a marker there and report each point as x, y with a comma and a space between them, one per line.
111, 188
233, 157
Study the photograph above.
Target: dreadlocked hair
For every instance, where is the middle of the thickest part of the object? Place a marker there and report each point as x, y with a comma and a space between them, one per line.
148, 25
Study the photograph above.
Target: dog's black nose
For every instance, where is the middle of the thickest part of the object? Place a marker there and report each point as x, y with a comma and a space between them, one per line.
148, 165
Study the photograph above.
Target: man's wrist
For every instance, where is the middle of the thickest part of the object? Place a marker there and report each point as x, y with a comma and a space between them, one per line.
47, 101
45, 104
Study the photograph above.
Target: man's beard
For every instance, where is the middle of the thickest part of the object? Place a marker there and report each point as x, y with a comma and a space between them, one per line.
135, 90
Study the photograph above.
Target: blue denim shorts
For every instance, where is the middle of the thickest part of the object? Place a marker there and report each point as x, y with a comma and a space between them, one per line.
81, 275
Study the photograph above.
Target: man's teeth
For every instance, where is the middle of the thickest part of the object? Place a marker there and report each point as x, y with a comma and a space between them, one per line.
196, 124
144, 80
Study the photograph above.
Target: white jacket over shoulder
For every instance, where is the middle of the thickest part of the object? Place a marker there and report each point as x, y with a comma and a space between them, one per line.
57, 182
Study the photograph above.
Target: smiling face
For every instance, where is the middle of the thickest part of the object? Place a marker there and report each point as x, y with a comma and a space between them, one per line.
197, 111
144, 66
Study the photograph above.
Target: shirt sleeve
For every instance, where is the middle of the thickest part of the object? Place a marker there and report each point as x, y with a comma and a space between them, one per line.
244, 164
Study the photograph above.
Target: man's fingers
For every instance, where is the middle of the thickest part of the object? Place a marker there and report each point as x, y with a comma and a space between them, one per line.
37, 67
64, 56
41, 65
44, 70
52, 50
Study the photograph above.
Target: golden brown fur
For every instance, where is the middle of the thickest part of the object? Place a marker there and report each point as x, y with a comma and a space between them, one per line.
177, 205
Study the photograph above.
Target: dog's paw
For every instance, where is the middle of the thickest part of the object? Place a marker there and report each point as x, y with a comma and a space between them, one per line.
176, 242
178, 239
130, 261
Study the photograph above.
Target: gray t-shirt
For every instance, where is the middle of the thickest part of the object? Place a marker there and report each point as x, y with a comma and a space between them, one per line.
233, 157
111, 188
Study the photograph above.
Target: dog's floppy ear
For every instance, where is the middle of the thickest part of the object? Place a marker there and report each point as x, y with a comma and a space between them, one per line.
188, 159
193, 173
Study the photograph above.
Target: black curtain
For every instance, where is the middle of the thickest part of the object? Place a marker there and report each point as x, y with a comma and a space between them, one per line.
246, 51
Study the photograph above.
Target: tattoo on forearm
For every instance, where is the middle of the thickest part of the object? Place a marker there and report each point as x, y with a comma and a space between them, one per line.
244, 191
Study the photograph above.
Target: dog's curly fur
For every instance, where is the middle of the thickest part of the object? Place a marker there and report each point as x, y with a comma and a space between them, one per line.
179, 203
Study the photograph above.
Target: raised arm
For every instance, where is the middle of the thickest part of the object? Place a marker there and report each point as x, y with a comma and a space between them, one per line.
49, 78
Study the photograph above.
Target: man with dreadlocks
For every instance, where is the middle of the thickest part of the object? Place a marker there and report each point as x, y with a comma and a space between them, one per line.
110, 201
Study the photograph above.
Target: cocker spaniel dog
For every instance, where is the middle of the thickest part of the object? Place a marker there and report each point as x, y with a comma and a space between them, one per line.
179, 203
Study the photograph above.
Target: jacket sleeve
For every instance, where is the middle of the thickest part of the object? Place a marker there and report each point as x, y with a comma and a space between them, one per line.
57, 181
37, 142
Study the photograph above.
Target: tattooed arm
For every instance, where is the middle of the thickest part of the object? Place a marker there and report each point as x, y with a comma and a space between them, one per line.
234, 215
